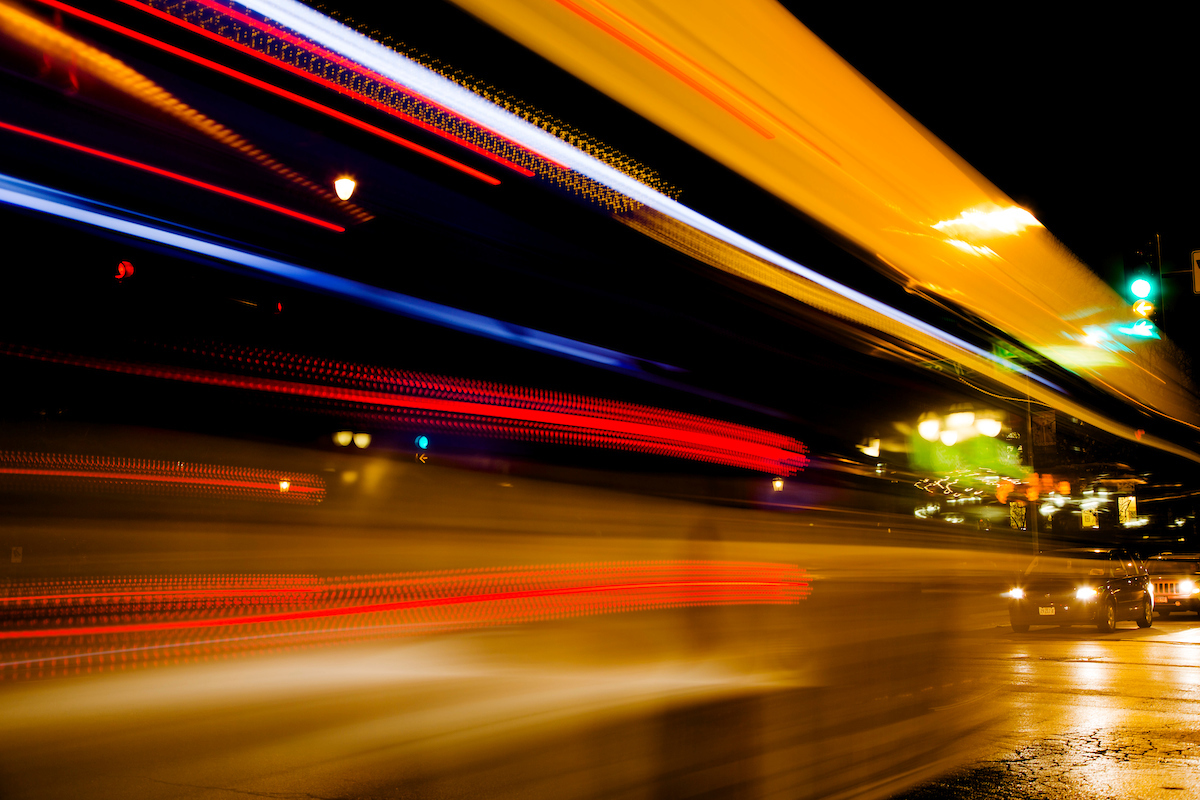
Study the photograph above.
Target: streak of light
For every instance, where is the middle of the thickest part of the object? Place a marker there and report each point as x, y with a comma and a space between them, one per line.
34, 197
504, 412
894, 180
267, 41
278, 91
664, 64
129, 162
365, 51
184, 478
301, 44
395, 603
1006, 221
712, 76
104, 67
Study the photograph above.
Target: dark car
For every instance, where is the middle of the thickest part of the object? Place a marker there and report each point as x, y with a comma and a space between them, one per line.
1082, 585
1176, 580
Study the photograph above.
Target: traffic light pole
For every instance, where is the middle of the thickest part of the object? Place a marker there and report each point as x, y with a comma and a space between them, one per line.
1032, 513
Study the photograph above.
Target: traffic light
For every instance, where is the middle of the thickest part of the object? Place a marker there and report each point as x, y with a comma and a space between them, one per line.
1143, 284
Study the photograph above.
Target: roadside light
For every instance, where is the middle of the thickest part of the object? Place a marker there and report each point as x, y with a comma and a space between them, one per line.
988, 427
343, 438
929, 429
284, 486
960, 419
777, 484
362, 440
344, 187
1085, 593
949, 437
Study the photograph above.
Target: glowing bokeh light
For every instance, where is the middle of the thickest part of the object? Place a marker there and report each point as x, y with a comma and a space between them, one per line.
988, 427
344, 187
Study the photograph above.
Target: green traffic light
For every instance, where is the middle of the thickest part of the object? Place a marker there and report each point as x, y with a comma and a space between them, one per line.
1140, 288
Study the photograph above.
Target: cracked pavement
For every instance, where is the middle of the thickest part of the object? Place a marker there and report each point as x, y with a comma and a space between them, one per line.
1095, 718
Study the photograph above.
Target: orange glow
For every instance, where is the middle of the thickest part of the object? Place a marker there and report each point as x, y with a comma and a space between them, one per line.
888, 185
664, 64
1007, 221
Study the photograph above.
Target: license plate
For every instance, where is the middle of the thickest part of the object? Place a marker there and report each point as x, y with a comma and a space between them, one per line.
1046, 611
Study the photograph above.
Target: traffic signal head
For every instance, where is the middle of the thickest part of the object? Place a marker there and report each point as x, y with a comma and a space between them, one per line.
1143, 288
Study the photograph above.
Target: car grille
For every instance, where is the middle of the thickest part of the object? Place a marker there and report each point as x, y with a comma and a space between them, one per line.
1164, 587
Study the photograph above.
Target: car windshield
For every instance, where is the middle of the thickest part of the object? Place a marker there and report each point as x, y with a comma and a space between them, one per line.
1084, 564
1171, 565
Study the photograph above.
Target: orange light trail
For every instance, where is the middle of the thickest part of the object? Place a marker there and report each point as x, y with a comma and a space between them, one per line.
666, 66
129, 162
273, 89
700, 67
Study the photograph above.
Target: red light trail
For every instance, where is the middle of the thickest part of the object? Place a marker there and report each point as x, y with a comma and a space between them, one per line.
59, 618
336, 58
122, 271
273, 89
486, 409
175, 477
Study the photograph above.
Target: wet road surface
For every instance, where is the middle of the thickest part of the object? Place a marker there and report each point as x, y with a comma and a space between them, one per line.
1095, 716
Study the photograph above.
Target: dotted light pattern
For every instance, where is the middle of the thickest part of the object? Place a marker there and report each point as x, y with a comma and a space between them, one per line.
85, 473
525, 111
56, 628
54, 43
409, 399
251, 32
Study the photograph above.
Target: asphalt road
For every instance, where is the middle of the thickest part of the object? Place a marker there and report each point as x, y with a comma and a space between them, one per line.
1093, 715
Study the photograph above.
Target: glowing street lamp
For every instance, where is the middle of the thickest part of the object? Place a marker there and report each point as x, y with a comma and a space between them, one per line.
344, 187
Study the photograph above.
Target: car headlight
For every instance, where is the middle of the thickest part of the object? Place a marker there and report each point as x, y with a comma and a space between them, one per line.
1187, 587
1085, 593
1015, 594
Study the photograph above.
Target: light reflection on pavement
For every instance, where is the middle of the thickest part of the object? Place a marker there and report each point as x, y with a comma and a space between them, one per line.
1094, 717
